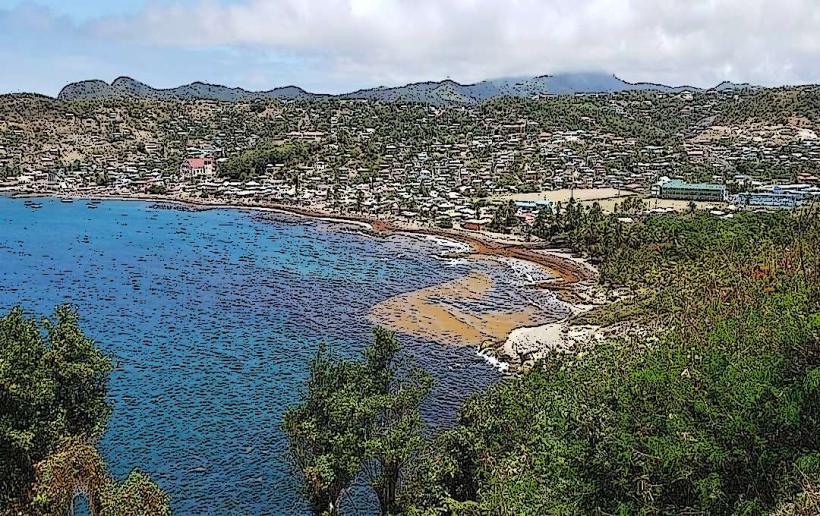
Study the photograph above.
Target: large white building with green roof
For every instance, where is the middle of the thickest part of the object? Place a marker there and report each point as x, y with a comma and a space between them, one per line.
679, 189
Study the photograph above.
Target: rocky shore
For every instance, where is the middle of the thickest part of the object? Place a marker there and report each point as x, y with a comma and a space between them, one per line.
525, 346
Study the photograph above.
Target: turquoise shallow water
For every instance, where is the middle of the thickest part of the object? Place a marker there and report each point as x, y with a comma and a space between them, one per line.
212, 317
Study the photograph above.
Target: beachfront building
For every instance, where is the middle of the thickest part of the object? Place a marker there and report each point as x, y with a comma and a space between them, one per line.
193, 169
475, 224
681, 190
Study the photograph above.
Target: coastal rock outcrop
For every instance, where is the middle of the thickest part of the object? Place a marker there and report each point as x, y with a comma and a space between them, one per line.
525, 346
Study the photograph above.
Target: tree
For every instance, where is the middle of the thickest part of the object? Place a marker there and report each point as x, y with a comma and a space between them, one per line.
295, 179
157, 189
137, 495
542, 227
476, 205
53, 389
54, 385
359, 200
253, 162
327, 430
354, 415
81, 373
396, 435
77, 468
573, 215
505, 218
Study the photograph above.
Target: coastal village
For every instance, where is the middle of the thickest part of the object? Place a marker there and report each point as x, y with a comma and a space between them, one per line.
446, 166
484, 174
402, 257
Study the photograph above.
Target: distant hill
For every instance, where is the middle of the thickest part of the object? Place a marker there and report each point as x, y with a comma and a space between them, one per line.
127, 87
437, 93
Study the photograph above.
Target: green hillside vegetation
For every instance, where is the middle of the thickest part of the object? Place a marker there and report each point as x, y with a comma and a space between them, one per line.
252, 163
717, 413
776, 106
720, 415
53, 408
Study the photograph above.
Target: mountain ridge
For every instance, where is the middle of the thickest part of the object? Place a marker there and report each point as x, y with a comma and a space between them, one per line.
442, 92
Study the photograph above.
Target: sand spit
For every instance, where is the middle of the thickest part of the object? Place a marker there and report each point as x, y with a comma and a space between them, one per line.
432, 313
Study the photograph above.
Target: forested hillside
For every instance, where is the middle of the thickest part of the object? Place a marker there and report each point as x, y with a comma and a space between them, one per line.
716, 411
719, 413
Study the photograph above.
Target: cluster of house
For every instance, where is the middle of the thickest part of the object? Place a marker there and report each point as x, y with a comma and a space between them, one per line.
358, 162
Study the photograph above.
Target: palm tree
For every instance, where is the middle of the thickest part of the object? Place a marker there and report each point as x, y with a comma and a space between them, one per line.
476, 204
359, 200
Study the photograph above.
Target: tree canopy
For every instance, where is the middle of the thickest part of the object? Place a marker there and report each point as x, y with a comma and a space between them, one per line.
357, 416
53, 408
252, 162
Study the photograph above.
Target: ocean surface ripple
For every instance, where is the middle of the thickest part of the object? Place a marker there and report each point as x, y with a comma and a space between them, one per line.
211, 318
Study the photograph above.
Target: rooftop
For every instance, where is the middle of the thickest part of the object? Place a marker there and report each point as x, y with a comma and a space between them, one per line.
680, 184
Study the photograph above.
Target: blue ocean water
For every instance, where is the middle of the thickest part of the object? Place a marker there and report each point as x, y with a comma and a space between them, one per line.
211, 317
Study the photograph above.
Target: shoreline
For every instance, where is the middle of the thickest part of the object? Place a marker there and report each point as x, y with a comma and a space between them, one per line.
569, 270
526, 345
574, 278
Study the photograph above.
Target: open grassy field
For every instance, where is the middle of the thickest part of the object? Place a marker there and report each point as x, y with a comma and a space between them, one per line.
580, 194
681, 206
607, 198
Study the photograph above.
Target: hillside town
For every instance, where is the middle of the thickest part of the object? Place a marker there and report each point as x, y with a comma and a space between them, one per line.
432, 165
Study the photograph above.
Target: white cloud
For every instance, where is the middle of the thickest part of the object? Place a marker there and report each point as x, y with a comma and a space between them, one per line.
339, 45
393, 41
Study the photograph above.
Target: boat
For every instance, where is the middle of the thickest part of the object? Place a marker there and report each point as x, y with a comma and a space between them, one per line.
66, 200
34, 205
91, 206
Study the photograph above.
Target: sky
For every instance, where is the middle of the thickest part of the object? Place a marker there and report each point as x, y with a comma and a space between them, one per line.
333, 46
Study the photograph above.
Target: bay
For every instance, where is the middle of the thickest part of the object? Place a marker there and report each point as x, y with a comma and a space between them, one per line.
211, 317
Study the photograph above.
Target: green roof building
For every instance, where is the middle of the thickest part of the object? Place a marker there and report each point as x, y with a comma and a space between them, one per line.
678, 189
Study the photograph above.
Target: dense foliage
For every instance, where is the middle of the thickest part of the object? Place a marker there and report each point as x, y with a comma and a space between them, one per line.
252, 162
719, 414
505, 218
77, 467
53, 382
357, 416
136, 495
53, 388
